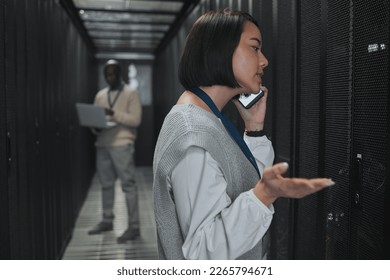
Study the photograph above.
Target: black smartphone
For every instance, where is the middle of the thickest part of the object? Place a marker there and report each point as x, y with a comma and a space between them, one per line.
249, 99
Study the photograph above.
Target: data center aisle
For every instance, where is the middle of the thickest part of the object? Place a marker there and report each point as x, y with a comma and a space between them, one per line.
104, 246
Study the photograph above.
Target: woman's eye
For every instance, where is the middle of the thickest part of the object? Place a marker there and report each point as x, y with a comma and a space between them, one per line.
257, 49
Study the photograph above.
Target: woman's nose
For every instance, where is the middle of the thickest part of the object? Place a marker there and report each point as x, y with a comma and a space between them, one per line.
263, 61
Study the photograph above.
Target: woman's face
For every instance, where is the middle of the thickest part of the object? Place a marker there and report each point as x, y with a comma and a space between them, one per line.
248, 60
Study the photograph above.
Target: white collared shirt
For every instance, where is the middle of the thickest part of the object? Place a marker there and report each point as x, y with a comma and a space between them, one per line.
213, 226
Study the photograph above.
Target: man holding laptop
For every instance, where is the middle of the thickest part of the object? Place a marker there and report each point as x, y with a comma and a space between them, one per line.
115, 149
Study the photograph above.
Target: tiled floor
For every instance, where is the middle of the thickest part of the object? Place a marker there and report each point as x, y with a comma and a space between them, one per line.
104, 246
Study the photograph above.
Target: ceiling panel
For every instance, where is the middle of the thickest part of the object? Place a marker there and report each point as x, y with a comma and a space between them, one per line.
129, 26
151, 5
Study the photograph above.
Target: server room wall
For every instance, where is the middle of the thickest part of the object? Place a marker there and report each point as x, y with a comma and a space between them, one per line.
47, 159
342, 123
328, 105
4, 234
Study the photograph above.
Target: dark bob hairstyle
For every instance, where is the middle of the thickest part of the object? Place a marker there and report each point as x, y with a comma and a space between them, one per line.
208, 53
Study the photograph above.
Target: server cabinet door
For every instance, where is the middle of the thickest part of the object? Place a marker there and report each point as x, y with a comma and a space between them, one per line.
337, 127
356, 130
369, 159
4, 149
343, 128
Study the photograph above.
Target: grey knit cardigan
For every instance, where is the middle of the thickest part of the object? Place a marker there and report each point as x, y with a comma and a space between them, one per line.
186, 126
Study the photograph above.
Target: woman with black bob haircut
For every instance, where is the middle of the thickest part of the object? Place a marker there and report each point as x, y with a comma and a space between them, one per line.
213, 187
206, 59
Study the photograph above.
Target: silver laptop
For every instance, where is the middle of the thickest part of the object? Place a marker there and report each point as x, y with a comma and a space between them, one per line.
92, 116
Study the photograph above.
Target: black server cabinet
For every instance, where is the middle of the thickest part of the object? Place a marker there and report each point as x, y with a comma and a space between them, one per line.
4, 146
336, 99
343, 128
46, 158
328, 115
370, 133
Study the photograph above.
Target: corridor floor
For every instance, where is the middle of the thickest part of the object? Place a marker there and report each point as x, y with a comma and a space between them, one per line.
104, 246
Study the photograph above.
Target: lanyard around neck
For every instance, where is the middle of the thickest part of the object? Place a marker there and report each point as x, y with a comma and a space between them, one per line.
228, 125
112, 103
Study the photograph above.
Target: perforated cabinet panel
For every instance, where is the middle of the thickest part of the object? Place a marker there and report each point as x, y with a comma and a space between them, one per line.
343, 64
370, 126
279, 47
308, 228
337, 148
283, 89
16, 196
4, 147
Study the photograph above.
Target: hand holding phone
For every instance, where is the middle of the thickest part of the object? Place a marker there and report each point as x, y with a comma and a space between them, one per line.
249, 99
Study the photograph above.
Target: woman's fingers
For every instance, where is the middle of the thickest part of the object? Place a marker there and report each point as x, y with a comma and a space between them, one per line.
300, 187
322, 182
278, 169
265, 90
279, 186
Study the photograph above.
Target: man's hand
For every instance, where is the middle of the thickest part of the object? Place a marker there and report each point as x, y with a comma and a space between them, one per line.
109, 112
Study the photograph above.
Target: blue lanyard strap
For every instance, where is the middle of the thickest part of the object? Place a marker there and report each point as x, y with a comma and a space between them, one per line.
228, 125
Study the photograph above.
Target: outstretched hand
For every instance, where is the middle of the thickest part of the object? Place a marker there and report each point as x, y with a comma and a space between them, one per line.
273, 185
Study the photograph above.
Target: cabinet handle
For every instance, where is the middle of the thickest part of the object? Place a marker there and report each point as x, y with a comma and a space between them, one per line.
357, 180
8, 151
